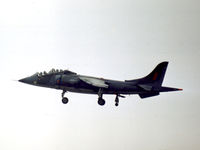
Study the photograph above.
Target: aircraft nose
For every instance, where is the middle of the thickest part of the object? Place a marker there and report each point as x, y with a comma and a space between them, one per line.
28, 80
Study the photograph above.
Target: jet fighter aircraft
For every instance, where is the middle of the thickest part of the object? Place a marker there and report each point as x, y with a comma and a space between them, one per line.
66, 80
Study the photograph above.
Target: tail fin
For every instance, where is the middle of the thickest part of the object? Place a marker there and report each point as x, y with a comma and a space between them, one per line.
155, 78
152, 83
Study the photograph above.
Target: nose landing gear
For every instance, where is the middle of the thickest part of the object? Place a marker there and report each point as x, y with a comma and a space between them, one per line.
101, 101
64, 99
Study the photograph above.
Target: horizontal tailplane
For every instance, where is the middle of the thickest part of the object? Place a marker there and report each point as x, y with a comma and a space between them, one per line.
169, 89
157, 92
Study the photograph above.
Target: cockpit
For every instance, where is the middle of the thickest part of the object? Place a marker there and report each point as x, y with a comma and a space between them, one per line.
54, 71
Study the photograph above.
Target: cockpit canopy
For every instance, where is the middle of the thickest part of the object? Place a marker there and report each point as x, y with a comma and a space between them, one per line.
54, 71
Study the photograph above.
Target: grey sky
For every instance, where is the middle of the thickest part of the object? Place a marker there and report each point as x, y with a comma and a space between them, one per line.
112, 39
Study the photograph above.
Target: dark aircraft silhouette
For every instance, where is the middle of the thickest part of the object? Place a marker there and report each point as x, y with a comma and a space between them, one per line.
65, 80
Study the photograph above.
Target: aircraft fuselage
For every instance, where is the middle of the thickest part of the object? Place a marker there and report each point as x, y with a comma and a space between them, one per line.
151, 85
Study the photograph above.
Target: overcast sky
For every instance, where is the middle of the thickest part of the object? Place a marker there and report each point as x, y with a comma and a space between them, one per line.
115, 39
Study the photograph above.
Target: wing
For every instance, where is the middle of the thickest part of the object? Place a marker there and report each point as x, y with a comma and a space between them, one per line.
94, 81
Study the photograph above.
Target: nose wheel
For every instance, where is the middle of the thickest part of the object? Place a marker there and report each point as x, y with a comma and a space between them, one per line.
101, 101
65, 100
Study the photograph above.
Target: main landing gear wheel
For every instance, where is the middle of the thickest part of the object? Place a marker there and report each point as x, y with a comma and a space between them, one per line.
64, 99
101, 101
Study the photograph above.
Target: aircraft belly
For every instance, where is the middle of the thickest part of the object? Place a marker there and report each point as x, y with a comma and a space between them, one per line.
105, 91
114, 87
121, 88
87, 91
79, 90
120, 92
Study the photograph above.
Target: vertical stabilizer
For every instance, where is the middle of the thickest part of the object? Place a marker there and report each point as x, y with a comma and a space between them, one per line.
155, 78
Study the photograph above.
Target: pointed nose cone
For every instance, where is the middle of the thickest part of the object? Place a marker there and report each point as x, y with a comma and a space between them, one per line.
24, 80
28, 80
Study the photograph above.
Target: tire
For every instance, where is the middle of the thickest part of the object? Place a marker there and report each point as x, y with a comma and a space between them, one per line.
101, 101
65, 100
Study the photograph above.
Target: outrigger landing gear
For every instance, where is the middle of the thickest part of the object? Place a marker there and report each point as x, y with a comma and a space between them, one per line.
64, 99
101, 101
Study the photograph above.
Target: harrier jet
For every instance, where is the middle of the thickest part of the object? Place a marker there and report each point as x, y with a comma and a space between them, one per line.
65, 80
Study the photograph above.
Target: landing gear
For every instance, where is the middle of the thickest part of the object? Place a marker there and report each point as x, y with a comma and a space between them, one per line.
101, 101
117, 99
64, 99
